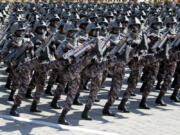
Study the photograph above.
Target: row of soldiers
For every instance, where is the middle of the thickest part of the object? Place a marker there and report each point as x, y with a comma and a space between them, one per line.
79, 43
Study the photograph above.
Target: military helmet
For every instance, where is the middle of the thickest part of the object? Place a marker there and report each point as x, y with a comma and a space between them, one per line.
40, 24
84, 20
74, 17
134, 21
16, 27
54, 17
69, 26
113, 25
170, 20
92, 26
155, 20
60, 24
102, 20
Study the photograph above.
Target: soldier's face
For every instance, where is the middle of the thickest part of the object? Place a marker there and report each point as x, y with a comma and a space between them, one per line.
41, 30
115, 31
19, 33
135, 29
54, 23
156, 26
72, 34
95, 33
171, 26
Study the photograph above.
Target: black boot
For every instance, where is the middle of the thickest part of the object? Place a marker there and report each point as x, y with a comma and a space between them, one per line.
85, 87
133, 94
173, 84
11, 96
13, 111
174, 96
62, 118
8, 83
66, 89
85, 115
97, 99
34, 107
106, 110
143, 104
159, 100
76, 100
54, 104
142, 87
28, 94
122, 106
158, 86
48, 90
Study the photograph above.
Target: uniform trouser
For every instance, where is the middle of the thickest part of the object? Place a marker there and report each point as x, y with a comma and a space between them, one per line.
161, 74
60, 88
169, 70
177, 80
116, 84
132, 82
84, 79
73, 87
105, 74
53, 77
40, 83
170, 67
136, 67
151, 75
15, 82
96, 75
32, 83
23, 73
94, 89
73, 77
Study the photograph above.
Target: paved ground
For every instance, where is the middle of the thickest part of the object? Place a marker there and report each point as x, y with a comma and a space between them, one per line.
157, 121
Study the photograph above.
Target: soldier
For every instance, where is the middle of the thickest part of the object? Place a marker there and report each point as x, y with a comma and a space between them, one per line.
94, 72
59, 37
137, 62
24, 70
73, 74
118, 70
169, 65
150, 71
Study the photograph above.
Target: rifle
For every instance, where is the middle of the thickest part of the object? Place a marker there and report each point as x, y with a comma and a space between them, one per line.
83, 49
4, 35
160, 43
76, 52
118, 48
43, 47
102, 46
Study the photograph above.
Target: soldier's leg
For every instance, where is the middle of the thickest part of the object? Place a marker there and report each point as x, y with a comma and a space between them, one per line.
24, 79
174, 96
95, 87
73, 89
170, 69
132, 82
114, 91
51, 81
40, 83
32, 85
144, 77
84, 80
160, 76
8, 81
60, 88
105, 74
15, 84
149, 83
